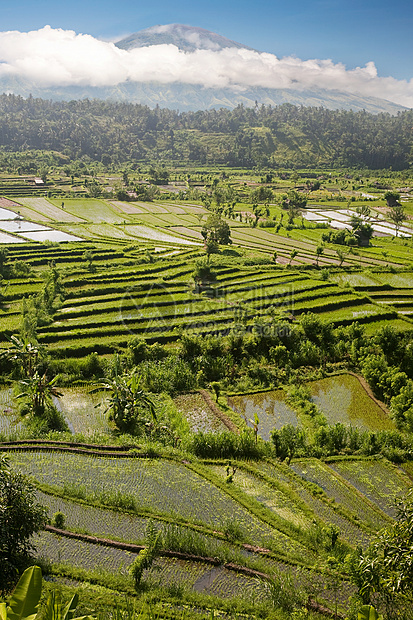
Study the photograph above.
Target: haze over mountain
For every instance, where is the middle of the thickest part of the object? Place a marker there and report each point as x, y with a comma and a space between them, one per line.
186, 68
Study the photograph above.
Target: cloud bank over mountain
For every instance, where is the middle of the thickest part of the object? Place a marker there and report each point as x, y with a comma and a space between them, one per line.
54, 58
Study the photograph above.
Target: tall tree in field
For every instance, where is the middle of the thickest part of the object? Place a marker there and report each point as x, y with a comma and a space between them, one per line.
217, 229
293, 254
397, 215
293, 202
392, 198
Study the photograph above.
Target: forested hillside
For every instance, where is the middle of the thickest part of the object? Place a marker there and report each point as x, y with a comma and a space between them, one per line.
282, 136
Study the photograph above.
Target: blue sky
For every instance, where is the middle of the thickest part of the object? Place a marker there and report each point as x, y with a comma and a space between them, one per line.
353, 32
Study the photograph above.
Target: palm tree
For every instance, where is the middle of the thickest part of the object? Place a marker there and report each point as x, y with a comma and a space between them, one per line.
341, 255
397, 215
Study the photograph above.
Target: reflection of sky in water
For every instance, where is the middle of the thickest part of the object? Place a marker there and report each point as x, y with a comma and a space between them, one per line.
5, 214
270, 407
5, 238
9, 419
84, 412
21, 226
335, 402
51, 235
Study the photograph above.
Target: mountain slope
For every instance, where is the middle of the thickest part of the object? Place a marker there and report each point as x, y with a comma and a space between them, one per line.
186, 38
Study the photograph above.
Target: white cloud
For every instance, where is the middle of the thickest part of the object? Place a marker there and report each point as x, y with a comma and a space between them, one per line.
56, 57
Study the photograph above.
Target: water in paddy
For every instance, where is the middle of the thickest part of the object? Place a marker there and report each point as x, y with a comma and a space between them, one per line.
84, 412
343, 399
199, 415
9, 419
270, 407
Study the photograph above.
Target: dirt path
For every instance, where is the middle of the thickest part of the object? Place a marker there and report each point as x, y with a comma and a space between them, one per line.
217, 412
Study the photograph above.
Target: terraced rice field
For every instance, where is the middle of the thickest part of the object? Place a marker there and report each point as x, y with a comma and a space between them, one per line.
102, 310
320, 504
169, 492
344, 494
271, 497
341, 398
198, 413
200, 577
9, 421
377, 480
84, 412
156, 485
50, 210
394, 290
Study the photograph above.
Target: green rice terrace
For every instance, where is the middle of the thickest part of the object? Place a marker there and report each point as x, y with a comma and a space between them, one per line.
214, 406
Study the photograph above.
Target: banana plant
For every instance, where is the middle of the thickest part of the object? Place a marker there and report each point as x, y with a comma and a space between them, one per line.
24, 602
368, 612
56, 610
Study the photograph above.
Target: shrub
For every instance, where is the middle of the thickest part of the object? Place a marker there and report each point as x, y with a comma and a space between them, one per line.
59, 520
146, 557
226, 445
172, 375
20, 518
